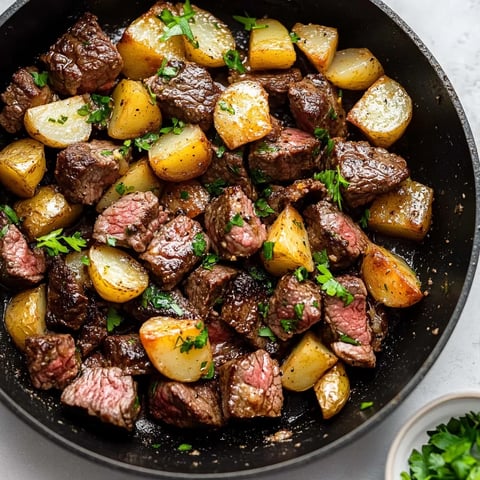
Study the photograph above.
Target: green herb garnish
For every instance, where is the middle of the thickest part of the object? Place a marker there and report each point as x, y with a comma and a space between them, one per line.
166, 71
176, 127
197, 341
184, 447
199, 244
324, 137
10, 213
267, 250
235, 221
267, 332
348, 339
114, 319
366, 405
301, 274
40, 79
159, 300
98, 110
249, 23
210, 260
334, 181
56, 243
233, 61
262, 208
178, 24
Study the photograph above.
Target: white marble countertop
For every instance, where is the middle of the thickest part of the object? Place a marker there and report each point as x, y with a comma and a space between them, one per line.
450, 31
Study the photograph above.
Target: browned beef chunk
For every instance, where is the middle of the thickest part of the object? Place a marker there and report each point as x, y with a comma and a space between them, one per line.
190, 95
240, 308
21, 94
233, 226
251, 386
170, 254
276, 83
350, 324
314, 103
294, 306
106, 393
204, 287
83, 60
127, 353
378, 319
157, 303
132, 221
186, 405
67, 299
52, 360
188, 198
369, 170
20, 266
93, 331
85, 169
292, 155
332, 230
227, 169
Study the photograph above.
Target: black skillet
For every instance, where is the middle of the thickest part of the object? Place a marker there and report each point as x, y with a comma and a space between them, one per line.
439, 148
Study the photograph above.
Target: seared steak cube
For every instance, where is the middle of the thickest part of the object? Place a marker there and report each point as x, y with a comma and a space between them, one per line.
332, 230
85, 169
83, 60
52, 360
368, 170
314, 103
132, 221
251, 386
93, 331
170, 254
21, 94
188, 198
106, 393
186, 405
127, 353
233, 226
294, 154
294, 306
190, 95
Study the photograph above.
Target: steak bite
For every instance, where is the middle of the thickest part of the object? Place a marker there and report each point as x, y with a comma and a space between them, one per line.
186, 405
20, 266
251, 386
52, 360
294, 307
292, 155
132, 221
127, 353
107, 393
21, 94
93, 331
85, 169
170, 254
233, 226
368, 170
314, 103
83, 59
332, 230
190, 95
352, 322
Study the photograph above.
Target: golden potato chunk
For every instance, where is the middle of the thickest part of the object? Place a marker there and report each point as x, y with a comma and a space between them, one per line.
58, 124
354, 69
178, 348
389, 279
270, 47
383, 112
22, 166
306, 363
405, 212
116, 276
289, 244
242, 114
134, 111
332, 390
318, 43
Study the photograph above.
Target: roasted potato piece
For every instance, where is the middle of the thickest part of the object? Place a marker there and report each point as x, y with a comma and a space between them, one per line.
139, 178
25, 314
332, 390
354, 69
291, 248
306, 363
189, 198
134, 111
178, 348
58, 124
318, 43
75, 261
22, 166
116, 276
142, 47
212, 39
389, 279
383, 112
47, 210
270, 47
242, 114
405, 212
177, 157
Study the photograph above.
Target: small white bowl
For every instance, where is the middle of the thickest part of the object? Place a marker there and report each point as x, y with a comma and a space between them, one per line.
414, 433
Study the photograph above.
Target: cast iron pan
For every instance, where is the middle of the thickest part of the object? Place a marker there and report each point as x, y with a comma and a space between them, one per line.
440, 150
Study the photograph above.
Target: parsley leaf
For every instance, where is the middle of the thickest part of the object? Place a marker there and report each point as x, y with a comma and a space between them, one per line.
114, 319
178, 24
166, 71
56, 243
40, 79
235, 221
267, 332
233, 61
334, 181
98, 110
210, 260
160, 300
198, 341
262, 208
199, 244
249, 23
10, 213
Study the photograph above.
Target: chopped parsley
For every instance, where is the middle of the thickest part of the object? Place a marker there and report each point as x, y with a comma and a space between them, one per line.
334, 182
301, 274
366, 405
122, 189
10, 213
324, 137
98, 110
176, 127
178, 24
235, 221
160, 300
226, 107
363, 222
267, 250
166, 71
40, 79
114, 319
267, 332
146, 141
209, 372
193, 342
294, 37
262, 208
199, 245
348, 339
216, 187
184, 447
210, 260
288, 324
55, 243
233, 61
249, 23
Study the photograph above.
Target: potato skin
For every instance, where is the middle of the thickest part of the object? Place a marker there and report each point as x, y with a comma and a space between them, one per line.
22, 166
332, 390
